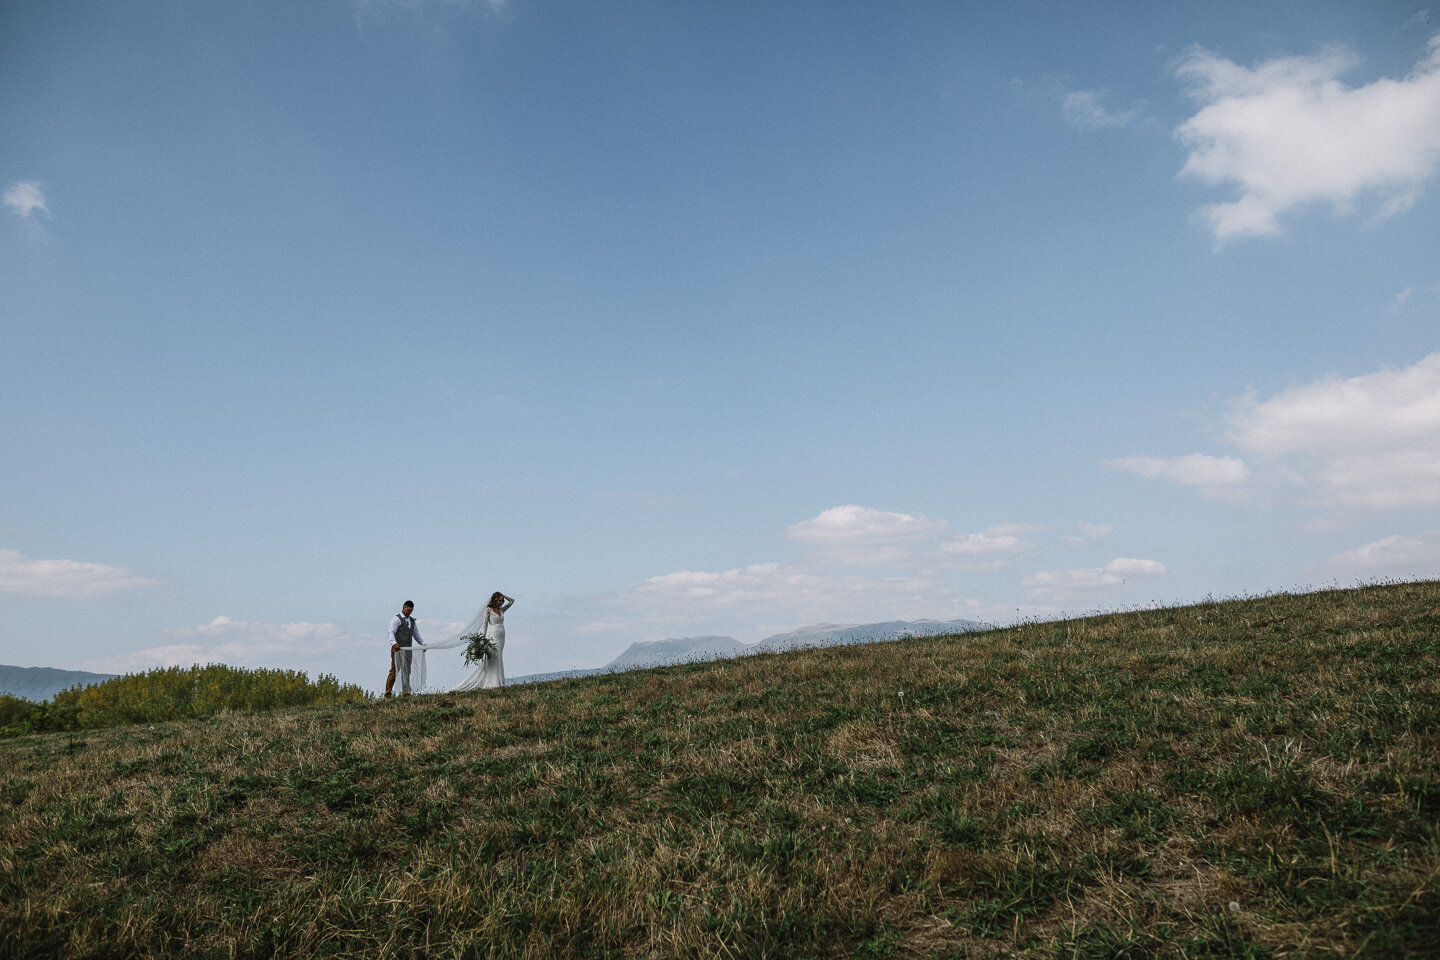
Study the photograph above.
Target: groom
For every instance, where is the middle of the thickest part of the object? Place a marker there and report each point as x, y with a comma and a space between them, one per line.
402, 632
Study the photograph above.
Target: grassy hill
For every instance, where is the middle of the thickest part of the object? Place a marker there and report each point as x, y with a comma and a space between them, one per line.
1258, 778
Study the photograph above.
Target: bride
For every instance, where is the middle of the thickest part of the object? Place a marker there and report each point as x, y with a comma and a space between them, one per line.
491, 673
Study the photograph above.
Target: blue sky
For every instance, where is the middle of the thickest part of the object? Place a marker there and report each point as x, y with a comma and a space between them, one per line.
673, 319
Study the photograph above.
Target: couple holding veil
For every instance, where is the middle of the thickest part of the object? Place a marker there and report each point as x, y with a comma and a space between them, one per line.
483, 636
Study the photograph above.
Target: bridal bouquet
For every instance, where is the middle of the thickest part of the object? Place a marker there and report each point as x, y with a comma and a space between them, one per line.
478, 648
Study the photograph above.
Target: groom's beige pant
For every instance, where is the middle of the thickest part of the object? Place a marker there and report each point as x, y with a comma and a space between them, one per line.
399, 657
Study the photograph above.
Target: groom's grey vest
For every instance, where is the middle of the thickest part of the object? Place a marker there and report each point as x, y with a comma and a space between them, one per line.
405, 633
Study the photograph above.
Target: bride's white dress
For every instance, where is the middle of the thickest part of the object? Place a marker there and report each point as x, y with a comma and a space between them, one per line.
491, 673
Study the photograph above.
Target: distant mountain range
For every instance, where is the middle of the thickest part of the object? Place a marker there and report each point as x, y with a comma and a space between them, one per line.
655, 653
662, 653
839, 635
42, 683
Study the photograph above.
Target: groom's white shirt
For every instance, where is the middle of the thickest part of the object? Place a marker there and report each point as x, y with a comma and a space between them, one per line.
414, 630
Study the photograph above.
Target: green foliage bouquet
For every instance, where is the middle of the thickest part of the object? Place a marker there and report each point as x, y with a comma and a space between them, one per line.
478, 648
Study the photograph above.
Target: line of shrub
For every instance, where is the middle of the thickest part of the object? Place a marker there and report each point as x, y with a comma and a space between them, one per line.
170, 693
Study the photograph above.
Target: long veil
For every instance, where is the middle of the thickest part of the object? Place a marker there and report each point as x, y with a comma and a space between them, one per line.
418, 680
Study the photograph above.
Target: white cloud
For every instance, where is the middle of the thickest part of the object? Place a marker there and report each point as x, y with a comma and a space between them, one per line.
25, 197
860, 564
863, 537
1128, 567
855, 524
940, 575
1288, 133
934, 574
1407, 556
1089, 533
756, 584
223, 629
769, 592
1088, 585
1192, 470
755, 601
1082, 109
1017, 529
1395, 479
987, 544
240, 643
1387, 410
1371, 441
138, 661
66, 579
